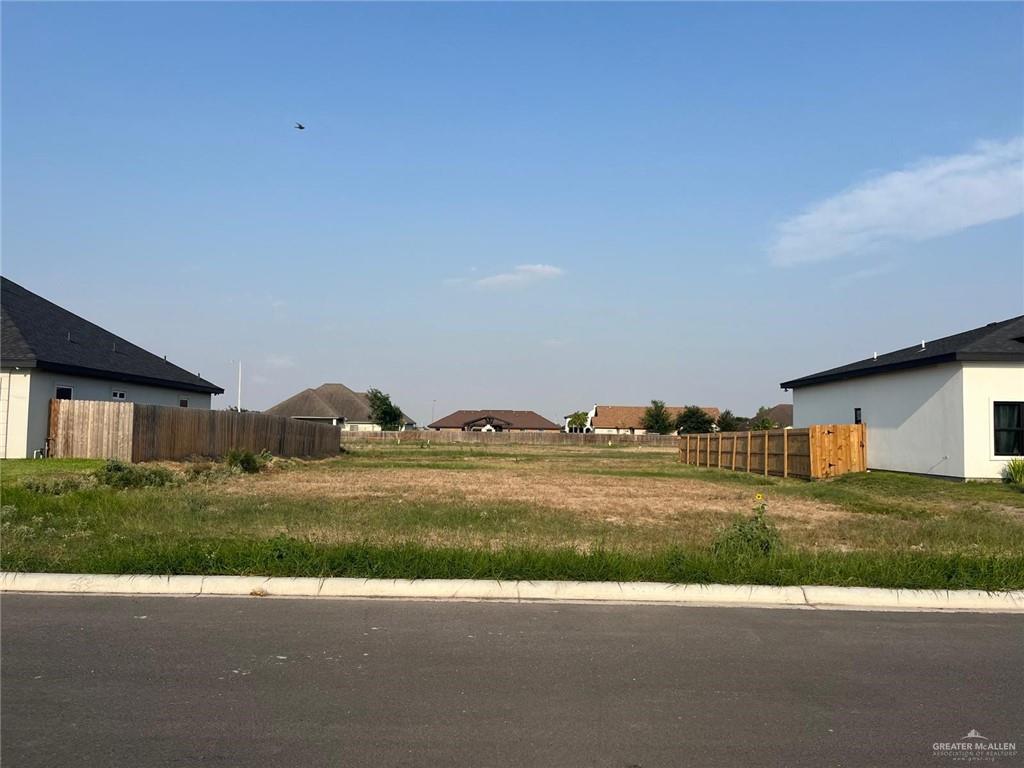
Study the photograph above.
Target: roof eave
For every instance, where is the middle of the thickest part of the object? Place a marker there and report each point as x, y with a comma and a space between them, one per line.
96, 373
826, 378
18, 362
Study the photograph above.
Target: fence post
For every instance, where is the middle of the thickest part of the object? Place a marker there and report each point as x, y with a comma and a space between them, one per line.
766, 452
719, 450
785, 452
733, 451
708, 464
748, 452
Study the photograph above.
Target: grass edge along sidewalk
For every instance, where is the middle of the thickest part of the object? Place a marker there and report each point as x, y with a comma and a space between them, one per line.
810, 597
288, 557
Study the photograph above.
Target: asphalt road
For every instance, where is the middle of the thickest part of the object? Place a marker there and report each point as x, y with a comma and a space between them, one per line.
120, 681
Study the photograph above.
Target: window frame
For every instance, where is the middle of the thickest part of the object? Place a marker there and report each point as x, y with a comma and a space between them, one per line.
58, 387
1019, 430
118, 394
182, 399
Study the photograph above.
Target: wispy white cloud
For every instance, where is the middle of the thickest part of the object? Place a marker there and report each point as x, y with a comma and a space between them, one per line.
521, 275
933, 198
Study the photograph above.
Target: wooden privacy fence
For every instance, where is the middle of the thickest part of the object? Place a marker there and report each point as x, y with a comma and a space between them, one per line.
822, 450
669, 442
87, 429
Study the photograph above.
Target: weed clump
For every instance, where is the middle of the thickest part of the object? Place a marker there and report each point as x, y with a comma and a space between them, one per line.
246, 461
751, 537
1013, 472
56, 485
120, 474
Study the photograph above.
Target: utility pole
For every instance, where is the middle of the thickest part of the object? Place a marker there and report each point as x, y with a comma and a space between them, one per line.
238, 402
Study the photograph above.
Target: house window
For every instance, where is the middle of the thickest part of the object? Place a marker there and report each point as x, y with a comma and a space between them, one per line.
183, 402
118, 394
856, 416
1008, 420
64, 392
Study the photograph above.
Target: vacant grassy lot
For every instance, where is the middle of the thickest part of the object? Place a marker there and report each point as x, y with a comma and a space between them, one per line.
515, 512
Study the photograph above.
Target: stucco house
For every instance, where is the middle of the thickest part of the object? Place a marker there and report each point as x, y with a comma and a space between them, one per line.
952, 407
47, 352
494, 421
333, 404
626, 419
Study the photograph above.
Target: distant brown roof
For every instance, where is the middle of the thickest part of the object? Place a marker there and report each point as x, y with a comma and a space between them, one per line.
504, 419
781, 415
630, 416
328, 401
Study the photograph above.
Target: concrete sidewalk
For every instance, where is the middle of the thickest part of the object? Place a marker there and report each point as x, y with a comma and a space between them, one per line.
810, 597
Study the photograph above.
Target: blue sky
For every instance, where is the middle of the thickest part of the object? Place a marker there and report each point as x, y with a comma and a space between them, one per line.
517, 206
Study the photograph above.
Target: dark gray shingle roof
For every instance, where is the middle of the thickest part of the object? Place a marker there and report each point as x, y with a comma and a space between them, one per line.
36, 333
328, 401
507, 420
995, 342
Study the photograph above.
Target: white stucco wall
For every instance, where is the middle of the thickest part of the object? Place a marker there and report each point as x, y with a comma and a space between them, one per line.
31, 391
984, 385
915, 418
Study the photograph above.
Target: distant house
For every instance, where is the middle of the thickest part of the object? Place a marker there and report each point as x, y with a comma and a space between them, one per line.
626, 419
47, 352
780, 415
952, 407
333, 404
494, 421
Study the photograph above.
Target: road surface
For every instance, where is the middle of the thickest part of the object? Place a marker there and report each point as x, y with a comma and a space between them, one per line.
165, 681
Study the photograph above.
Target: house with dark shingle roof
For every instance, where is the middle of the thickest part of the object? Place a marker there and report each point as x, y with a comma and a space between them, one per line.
47, 352
333, 404
494, 421
952, 406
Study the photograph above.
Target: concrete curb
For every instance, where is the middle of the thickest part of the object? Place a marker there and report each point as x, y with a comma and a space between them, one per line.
844, 598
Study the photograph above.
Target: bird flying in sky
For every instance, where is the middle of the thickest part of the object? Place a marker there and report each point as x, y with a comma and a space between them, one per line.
300, 127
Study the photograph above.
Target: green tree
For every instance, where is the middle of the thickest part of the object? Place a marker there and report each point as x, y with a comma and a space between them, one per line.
383, 412
727, 422
578, 420
657, 418
694, 420
762, 419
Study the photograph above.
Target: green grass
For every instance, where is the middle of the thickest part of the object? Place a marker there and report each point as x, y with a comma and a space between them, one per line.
904, 531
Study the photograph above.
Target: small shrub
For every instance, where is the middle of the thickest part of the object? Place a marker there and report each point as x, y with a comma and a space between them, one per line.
204, 471
754, 536
119, 474
247, 461
56, 485
1013, 472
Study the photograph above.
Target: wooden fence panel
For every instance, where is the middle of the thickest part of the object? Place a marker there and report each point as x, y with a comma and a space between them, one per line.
136, 432
176, 433
84, 429
548, 438
823, 450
